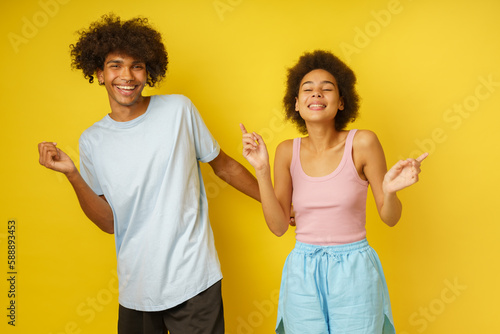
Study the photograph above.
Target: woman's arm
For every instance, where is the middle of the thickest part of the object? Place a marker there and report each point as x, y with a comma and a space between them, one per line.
368, 153
276, 201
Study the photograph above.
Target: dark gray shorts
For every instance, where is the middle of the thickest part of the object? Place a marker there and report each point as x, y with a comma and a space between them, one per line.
202, 314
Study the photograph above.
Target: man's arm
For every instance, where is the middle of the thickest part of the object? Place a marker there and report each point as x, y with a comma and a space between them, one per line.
95, 207
235, 174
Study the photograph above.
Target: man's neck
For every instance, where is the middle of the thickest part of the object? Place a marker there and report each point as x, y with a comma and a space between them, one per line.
121, 113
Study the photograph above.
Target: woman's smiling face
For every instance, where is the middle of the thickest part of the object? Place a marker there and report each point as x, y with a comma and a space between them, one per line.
319, 97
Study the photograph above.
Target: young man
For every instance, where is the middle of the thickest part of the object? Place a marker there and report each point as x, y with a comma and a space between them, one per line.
140, 179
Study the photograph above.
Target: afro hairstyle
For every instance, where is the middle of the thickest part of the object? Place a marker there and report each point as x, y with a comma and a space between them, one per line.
135, 38
344, 76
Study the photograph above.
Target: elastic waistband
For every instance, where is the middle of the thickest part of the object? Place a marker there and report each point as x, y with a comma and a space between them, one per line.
334, 249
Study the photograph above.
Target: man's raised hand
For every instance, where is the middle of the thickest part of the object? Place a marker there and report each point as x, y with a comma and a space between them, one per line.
53, 158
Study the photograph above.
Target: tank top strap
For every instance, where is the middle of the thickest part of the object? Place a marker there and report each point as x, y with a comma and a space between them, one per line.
348, 143
295, 155
349, 161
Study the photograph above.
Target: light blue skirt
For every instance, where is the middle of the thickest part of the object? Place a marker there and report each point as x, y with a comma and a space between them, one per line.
334, 289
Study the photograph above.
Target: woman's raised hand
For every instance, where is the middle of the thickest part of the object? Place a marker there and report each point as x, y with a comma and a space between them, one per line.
403, 174
254, 149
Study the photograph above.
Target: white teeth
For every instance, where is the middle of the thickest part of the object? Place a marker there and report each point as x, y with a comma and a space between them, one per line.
317, 105
126, 87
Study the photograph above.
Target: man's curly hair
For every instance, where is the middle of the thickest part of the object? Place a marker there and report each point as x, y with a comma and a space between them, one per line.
344, 76
135, 38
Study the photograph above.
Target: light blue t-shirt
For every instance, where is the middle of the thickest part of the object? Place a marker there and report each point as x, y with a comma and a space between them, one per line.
148, 170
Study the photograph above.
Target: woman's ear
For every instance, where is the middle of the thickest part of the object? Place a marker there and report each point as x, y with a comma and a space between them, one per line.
341, 103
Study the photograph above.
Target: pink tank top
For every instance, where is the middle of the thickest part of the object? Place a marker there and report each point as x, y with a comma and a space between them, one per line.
331, 209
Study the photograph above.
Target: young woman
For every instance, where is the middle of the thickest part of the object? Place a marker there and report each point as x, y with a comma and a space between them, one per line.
332, 280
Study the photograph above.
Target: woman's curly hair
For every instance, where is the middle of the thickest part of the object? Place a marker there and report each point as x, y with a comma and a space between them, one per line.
135, 38
344, 76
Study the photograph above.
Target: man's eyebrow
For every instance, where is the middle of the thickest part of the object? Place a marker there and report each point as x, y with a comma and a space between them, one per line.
119, 61
323, 82
114, 61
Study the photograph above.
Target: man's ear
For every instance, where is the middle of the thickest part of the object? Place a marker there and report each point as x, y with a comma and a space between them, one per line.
100, 76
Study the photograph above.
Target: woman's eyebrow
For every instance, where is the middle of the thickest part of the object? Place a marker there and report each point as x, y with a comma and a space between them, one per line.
323, 82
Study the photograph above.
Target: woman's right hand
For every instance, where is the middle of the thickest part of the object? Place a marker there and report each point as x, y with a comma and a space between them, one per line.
254, 149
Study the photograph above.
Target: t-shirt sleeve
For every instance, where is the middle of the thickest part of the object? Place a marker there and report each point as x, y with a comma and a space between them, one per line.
207, 148
87, 170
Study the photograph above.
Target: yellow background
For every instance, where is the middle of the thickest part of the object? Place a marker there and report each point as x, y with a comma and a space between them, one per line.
429, 76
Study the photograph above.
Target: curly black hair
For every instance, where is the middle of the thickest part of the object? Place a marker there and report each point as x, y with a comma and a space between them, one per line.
346, 81
135, 38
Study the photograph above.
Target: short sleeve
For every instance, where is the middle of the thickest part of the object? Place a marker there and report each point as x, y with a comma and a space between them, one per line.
207, 148
87, 167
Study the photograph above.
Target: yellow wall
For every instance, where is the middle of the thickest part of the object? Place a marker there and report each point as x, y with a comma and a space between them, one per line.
429, 76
